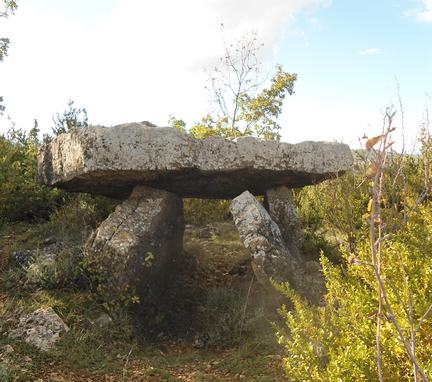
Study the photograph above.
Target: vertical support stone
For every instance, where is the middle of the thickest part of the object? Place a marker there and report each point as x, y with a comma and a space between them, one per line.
271, 257
136, 245
263, 238
282, 210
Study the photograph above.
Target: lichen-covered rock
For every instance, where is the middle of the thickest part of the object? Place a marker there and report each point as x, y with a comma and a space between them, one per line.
103, 320
112, 160
136, 245
282, 210
42, 328
272, 259
262, 237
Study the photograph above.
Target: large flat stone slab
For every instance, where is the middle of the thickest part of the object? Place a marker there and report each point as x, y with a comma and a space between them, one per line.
112, 160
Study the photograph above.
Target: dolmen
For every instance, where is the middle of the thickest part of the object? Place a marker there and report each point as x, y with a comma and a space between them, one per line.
152, 168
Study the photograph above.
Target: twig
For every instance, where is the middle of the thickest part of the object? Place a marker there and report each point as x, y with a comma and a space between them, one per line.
126, 363
424, 318
246, 304
392, 318
412, 331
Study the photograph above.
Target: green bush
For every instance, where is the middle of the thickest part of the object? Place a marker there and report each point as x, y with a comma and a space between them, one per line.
60, 263
336, 342
200, 211
73, 221
21, 197
49, 272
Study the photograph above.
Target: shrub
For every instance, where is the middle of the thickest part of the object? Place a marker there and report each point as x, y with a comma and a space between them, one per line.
227, 316
21, 197
73, 221
336, 342
59, 271
200, 211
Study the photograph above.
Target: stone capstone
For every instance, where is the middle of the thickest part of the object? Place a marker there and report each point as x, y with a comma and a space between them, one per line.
271, 257
136, 245
112, 160
42, 328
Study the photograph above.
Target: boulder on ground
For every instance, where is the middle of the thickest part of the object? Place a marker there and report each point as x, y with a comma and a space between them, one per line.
136, 245
112, 160
42, 328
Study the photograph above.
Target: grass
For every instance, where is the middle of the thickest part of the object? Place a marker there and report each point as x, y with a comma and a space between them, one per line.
159, 346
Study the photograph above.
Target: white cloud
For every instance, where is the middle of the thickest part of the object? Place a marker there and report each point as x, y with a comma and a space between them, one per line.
426, 13
370, 51
313, 20
141, 60
423, 12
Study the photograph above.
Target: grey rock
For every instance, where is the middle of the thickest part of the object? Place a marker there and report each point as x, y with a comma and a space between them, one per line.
271, 258
200, 340
42, 328
21, 257
112, 160
262, 237
50, 240
208, 232
47, 252
103, 320
43, 265
6, 349
139, 242
282, 210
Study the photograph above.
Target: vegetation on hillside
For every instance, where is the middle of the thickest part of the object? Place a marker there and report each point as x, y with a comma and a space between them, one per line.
375, 319
350, 336
371, 230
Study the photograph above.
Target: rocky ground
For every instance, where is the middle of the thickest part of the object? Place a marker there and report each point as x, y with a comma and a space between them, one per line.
214, 323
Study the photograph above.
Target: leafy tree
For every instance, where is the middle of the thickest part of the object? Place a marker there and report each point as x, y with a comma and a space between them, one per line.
7, 7
2, 108
243, 106
71, 119
21, 197
33, 134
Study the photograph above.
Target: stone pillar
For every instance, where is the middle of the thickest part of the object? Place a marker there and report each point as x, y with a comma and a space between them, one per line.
263, 238
282, 210
136, 245
271, 257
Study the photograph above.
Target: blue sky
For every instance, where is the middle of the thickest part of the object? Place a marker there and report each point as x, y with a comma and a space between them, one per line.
131, 60
355, 87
